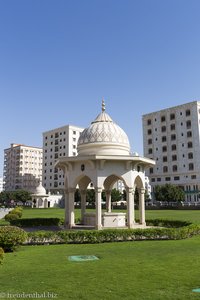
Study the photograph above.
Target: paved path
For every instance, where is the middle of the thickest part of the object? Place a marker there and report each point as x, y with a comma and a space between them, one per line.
3, 212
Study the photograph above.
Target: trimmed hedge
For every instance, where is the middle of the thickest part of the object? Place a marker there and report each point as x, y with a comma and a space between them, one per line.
11, 237
14, 214
167, 223
111, 235
36, 222
1, 255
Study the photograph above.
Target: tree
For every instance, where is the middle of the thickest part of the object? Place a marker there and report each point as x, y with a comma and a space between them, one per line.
21, 195
115, 195
77, 196
169, 193
90, 196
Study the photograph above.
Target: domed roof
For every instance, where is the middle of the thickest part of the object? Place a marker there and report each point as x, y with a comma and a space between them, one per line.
40, 190
103, 137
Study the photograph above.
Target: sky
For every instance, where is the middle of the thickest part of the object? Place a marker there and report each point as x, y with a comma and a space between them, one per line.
59, 58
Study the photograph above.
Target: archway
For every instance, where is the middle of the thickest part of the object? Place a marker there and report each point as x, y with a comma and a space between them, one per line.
139, 184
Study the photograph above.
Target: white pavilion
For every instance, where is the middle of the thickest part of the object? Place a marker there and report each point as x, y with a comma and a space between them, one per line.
104, 157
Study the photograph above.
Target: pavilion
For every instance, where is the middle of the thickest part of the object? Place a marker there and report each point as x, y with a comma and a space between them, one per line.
104, 157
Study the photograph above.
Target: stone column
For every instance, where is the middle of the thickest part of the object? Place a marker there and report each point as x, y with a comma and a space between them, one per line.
98, 208
66, 223
108, 201
83, 204
130, 207
142, 206
69, 208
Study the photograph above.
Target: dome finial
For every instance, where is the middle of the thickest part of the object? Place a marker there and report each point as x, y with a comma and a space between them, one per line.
103, 105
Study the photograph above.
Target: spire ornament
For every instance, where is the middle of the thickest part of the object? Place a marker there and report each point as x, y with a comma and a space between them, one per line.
103, 105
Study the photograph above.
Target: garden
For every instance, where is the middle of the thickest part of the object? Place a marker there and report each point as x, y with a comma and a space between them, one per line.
147, 269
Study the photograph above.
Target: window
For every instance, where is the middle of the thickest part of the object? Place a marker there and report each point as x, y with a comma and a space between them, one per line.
163, 128
149, 131
158, 179
149, 141
152, 179
149, 122
174, 168
191, 166
56, 155
190, 145
167, 178
173, 147
187, 112
189, 134
164, 158
56, 135
172, 116
193, 176
163, 119
173, 137
165, 169
172, 127
164, 148
164, 138
176, 178
74, 132
188, 124
174, 157
151, 170
190, 155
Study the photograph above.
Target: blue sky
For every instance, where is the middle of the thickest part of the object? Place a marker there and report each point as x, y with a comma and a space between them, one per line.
58, 58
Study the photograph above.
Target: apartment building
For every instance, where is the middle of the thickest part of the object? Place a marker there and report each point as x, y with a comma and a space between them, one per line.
57, 143
172, 138
22, 167
1, 184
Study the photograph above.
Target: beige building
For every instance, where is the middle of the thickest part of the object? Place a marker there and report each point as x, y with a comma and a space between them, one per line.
104, 157
172, 138
22, 167
58, 143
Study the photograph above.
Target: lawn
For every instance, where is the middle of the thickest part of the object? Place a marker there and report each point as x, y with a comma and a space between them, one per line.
183, 215
156, 270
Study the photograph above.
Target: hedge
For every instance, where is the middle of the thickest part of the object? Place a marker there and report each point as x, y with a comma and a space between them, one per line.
36, 222
111, 235
1, 255
11, 237
14, 214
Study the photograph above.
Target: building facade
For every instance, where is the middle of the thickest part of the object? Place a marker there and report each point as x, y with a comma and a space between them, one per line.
1, 184
172, 138
57, 143
22, 167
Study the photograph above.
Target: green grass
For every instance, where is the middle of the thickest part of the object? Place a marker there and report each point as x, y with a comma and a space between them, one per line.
156, 270
183, 215
148, 270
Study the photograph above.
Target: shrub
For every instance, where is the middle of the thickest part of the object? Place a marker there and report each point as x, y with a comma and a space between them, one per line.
11, 237
167, 223
116, 235
36, 222
14, 214
17, 211
10, 217
1, 255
